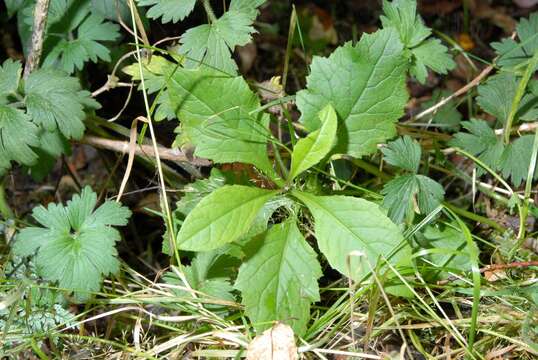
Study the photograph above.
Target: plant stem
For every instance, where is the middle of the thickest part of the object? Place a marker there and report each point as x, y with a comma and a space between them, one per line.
529, 71
209, 10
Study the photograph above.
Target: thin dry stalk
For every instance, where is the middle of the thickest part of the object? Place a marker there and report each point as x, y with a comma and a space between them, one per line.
40, 22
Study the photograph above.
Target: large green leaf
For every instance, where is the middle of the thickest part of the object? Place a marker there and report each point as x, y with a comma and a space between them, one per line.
366, 86
222, 217
280, 280
346, 227
215, 113
17, 135
310, 150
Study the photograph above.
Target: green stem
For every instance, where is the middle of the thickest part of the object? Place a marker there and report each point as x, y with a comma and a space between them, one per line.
209, 11
529, 71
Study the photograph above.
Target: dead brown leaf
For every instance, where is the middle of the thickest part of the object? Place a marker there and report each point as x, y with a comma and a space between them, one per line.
277, 343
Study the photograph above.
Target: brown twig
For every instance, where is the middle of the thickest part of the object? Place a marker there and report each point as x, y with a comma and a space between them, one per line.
460, 92
40, 23
143, 150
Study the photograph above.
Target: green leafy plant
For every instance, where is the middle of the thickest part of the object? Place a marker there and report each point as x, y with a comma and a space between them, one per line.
281, 213
76, 32
405, 191
347, 114
39, 114
76, 245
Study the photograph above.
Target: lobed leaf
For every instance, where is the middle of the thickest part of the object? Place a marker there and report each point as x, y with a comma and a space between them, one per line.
76, 246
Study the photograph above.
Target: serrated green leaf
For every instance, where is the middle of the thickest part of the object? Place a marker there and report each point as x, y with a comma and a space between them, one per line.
400, 192
404, 153
76, 246
212, 44
366, 86
480, 141
10, 73
215, 116
279, 282
398, 200
168, 10
17, 135
222, 217
516, 159
430, 194
312, 149
514, 54
496, 94
346, 226
72, 54
433, 55
54, 101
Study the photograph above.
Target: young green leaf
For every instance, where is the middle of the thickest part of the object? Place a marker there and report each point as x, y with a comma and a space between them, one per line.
426, 53
212, 44
346, 227
404, 153
76, 245
312, 149
157, 72
215, 113
366, 86
222, 217
280, 280
168, 10
431, 54
514, 54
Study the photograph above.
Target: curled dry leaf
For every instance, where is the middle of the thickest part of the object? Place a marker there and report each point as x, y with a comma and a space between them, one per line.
276, 343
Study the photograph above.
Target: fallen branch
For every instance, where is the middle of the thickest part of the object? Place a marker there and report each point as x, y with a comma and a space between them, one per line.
143, 150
